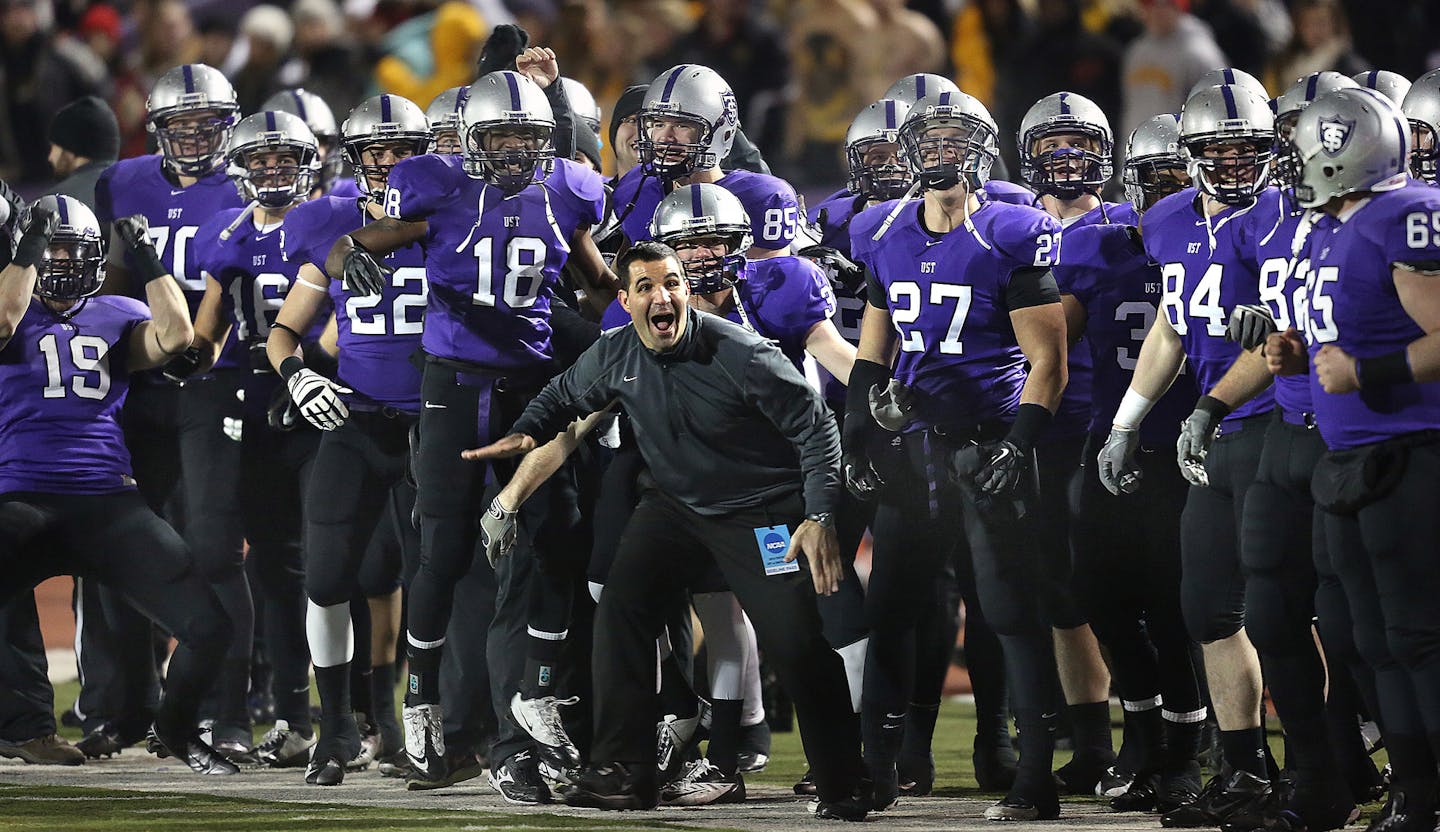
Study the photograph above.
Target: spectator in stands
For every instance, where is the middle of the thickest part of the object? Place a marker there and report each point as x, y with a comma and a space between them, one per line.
985, 48
1074, 59
268, 33
1162, 64
1249, 32
326, 61
905, 42
1321, 41
456, 35
829, 44
84, 141
167, 38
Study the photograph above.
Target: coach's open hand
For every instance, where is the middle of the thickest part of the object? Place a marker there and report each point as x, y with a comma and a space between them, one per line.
819, 544
513, 444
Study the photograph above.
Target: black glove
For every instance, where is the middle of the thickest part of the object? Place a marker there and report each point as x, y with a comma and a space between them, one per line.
501, 49
1249, 325
282, 414
40, 226
845, 275
364, 275
134, 232
860, 478
182, 366
1000, 474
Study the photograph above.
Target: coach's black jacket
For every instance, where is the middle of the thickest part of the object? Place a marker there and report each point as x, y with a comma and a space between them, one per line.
724, 420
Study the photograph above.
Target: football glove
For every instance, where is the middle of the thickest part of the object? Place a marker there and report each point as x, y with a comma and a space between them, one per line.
846, 276
183, 366
860, 478
1249, 325
40, 225
134, 232
499, 527
891, 406
1118, 471
318, 399
1001, 473
281, 414
1196, 433
364, 275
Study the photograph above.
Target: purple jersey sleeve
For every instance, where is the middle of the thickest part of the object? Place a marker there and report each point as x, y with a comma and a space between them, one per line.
998, 190
578, 191
771, 204
615, 316
63, 382
787, 297
421, 185
833, 218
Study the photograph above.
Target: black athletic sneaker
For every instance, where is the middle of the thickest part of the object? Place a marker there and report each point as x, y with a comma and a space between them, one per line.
1179, 787
613, 786
1241, 792
806, 785
1141, 796
1026, 804
852, 809
995, 766
195, 752
518, 780
916, 773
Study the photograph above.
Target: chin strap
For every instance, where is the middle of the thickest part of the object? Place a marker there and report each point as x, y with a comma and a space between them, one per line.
239, 219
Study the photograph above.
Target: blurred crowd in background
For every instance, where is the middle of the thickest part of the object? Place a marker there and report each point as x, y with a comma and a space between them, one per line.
801, 69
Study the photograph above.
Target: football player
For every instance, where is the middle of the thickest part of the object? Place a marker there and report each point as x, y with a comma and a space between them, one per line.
68, 503
1422, 109
172, 427
1127, 542
963, 290
318, 116
1392, 85
444, 117
687, 126
510, 209
1065, 150
1227, 134
365, 413
1370, 311
276, 160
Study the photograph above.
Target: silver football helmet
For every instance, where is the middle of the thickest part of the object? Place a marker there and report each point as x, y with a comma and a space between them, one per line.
275, 182
1392, 85
192, 110
387, 120
948, 138
1288, 107
1154, 165
912, 88
875, 166
582, 103
697, 220
444, 117
1231, 76
688, 97
318, 116
1070, 171
508, 131
1346, 141
1227, 134
1422, 108
73, 266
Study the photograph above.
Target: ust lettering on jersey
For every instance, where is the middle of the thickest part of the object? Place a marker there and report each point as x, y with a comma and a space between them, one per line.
1351, 302
1207, 268
492, 261
376, 335
62, 384
946, 295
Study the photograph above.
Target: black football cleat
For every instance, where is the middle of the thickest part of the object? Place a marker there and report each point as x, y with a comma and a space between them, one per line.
612, 786
195, 752
1240, 793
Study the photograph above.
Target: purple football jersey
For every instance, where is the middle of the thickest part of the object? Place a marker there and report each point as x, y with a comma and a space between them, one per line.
999, 190
493, 262
376, 335
62, 383
1104, 266
1351, 302
769, 201
345, 188
254, 278
1271, 227
175, 214
1207, 268
946, 294
832, 217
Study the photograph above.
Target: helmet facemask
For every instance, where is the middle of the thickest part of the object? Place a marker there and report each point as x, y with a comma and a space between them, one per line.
1150, 179
1232, 170
947, 147
72, 269
193, 142
373, 158
672, 145
1067, 160
276, 175
1424, 152
877, 169
712, 262
510, 156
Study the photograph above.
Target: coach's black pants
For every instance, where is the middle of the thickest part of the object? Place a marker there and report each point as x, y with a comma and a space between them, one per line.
664, 547
1127, 578
117, 540
1385, 555
1212, 580
169, 431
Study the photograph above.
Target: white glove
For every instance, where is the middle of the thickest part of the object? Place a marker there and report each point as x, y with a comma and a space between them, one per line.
499, 527
1118, 471
318, 399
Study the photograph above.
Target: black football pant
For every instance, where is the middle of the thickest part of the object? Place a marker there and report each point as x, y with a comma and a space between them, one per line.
1385, 556
27, 702
171, 430
665, 547
116, 540
1212, 579
1127, 577
920, 520
273, 476
111, 645
1056, 462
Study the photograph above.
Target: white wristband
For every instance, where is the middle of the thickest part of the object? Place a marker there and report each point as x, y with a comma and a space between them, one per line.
1133, 409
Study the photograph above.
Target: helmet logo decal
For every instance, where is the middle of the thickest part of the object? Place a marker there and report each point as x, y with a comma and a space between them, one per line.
1335, 134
